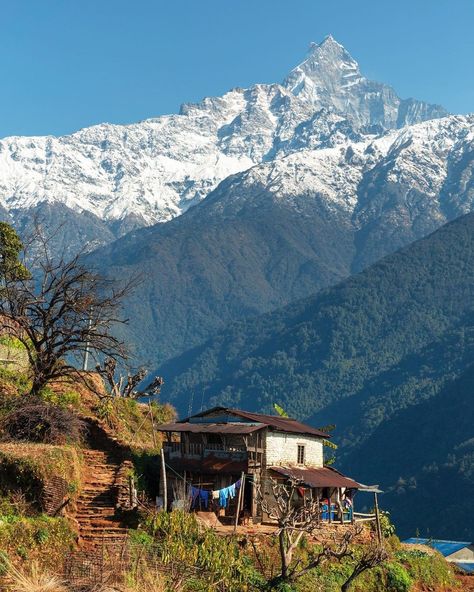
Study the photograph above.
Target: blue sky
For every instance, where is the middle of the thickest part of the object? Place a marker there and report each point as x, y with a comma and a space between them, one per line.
67, 64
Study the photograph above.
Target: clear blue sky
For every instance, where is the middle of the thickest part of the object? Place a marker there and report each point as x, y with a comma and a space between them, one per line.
67, 64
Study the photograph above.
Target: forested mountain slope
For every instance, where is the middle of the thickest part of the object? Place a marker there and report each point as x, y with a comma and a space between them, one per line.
424, 457
387, 356
380, 340
287, 228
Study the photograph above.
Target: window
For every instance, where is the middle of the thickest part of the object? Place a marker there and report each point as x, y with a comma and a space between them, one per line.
300, 459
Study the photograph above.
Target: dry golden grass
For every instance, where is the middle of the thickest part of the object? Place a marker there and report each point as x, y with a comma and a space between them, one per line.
34, 579
147, 583
46, 459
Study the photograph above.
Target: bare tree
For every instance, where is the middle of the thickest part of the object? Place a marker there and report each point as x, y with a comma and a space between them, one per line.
294, 521
126, 387
60, 313
374, 554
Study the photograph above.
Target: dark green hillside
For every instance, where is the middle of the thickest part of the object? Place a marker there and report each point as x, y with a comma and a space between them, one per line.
338, 344
425, 456
220, 262
386, 355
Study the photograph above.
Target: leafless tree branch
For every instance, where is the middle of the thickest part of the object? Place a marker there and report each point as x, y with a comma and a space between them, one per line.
60, 313
293, 521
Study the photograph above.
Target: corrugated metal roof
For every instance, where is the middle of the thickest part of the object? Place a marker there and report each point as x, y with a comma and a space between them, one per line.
320, 477
284, 424
467, 566
446, 548
211, 428
369, 488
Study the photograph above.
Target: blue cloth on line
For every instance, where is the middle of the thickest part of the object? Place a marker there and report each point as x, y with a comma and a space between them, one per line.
227, 493
223, 498
204, 496
199, 495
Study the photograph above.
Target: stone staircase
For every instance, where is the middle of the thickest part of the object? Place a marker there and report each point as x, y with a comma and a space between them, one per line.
96, 514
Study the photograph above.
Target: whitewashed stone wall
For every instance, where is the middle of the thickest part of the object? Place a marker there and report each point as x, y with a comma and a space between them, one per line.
282, 449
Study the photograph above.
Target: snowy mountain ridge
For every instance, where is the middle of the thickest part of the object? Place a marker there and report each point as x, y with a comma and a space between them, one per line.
429, 165
154, 170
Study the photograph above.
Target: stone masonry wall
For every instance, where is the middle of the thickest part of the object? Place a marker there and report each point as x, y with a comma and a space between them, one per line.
282, 449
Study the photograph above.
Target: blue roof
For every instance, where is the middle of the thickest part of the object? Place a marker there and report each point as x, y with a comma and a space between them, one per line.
469, 567
446, 548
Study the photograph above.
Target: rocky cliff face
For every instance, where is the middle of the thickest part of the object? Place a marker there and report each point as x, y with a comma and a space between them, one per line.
330, 78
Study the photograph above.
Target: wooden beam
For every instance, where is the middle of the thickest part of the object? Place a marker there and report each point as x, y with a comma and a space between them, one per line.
239, 500
377, 518
165, 484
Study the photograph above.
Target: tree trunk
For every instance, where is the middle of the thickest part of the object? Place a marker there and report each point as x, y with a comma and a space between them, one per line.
356, 573
283, 554
37, 386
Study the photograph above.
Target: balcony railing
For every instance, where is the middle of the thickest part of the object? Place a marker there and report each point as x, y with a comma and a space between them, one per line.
200, 449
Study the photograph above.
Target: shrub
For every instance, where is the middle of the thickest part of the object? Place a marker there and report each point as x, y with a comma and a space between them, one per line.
67, 398
178, 541
38, 421
398, 579
38, 538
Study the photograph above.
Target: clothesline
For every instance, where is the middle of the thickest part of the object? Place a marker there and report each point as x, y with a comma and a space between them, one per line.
203, 495
247, 478
223, 495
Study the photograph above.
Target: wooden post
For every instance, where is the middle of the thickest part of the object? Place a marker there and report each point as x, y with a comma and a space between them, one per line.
318, 505
330, 505
165, 484
130, 491
239, 499
152, 423
253, 503
377, 519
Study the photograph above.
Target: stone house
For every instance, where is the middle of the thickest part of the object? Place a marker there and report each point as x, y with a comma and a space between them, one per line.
213, 450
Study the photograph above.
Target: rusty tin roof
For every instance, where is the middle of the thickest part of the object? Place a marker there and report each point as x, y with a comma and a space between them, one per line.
320, 477
283, 424
211, 428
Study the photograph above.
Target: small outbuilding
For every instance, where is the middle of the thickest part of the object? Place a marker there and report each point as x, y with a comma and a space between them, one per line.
457, 552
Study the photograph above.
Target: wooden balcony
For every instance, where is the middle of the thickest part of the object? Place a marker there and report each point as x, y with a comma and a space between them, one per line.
200, 450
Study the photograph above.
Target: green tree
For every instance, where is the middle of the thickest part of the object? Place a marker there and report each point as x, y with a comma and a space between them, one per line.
11, 267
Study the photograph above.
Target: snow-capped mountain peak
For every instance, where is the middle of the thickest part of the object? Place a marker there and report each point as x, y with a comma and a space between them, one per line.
326, 71
330, 78
155, 170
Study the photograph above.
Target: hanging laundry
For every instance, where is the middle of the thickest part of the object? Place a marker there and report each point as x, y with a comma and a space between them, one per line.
223, 498
204, 496
228, 493
215, 494
199, 495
